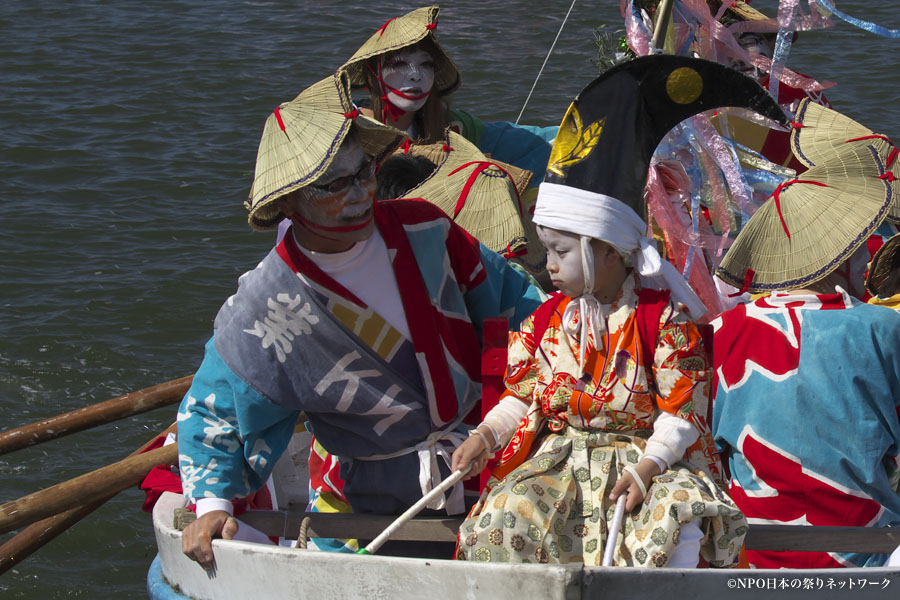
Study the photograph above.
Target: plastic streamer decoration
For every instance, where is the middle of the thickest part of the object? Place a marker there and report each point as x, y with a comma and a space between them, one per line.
828, 5
703, 186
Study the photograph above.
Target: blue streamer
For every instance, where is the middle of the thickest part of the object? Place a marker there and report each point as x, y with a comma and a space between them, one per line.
866, 25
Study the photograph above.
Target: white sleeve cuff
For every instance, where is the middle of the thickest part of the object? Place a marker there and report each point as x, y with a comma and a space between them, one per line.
671, 437
663, 465
205, 505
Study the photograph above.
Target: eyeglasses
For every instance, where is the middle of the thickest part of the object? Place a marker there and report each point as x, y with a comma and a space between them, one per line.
335, 186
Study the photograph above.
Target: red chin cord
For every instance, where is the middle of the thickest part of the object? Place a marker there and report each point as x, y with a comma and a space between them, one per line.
389, 107
318, 229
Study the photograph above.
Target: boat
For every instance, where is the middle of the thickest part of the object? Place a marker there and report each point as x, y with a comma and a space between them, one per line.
264, 572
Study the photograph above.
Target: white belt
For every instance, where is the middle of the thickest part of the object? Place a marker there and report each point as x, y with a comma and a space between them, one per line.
429, 472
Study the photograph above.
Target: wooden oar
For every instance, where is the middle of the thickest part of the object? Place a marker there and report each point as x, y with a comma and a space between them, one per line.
84, 488
413, 510
134, 403
35, 536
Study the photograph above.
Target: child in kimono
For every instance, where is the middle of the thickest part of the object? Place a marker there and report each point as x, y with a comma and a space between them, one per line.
607, 394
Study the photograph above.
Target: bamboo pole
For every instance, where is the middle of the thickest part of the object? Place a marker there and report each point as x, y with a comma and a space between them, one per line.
35, 536
134, 403
75, 492
663, 16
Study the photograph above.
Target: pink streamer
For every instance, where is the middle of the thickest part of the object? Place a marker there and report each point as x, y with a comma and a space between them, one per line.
713, 142
663, 208
635, 31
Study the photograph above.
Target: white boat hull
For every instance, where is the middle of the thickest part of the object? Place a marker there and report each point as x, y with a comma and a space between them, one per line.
262, 572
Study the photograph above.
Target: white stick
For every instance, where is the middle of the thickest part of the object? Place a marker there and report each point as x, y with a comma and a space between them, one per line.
413, 510
613, 532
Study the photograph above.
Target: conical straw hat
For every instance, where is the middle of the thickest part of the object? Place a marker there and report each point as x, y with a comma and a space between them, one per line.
480, 194
887, 259
302, 137
820, 141
401, 32
811, 225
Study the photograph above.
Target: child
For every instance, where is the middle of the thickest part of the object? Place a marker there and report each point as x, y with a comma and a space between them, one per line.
610, 379
597, 421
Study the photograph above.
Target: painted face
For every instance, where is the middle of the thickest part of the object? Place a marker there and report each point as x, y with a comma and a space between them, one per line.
753, 43
338, 207
563, 260
408, 77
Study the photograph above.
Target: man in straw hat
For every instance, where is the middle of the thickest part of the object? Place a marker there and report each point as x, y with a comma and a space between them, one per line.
366, 317
808, 376
607, 383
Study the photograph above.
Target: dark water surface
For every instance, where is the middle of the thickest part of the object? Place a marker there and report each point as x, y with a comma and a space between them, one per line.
129, 134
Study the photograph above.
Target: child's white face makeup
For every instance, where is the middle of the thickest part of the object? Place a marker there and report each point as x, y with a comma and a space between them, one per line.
563, 260
408, 76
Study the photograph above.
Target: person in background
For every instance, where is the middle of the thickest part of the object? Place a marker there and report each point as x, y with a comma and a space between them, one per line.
410, 77
806, 408
366, 317
400, 173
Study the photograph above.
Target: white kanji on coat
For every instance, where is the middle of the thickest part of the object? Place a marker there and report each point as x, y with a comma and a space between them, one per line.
285, 321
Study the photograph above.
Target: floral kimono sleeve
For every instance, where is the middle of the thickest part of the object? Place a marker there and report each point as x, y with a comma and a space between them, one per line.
521, 382
229, 435
682, 373
521, 367
681, 368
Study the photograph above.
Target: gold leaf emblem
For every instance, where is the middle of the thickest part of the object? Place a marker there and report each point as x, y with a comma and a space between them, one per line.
573, 142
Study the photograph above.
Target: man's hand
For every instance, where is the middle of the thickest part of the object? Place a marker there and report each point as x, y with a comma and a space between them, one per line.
627, 485
474, 451
196, 539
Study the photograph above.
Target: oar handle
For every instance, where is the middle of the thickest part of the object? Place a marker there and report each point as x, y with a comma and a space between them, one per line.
613, 531
134, 403
413, 510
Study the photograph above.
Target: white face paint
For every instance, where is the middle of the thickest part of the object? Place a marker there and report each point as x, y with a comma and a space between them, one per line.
350, 208
753, 43
563, 260
408, 76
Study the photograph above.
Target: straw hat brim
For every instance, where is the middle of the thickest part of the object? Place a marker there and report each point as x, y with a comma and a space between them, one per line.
300, 140
821, 141
399, 33
829, 212
886, 259
490, 210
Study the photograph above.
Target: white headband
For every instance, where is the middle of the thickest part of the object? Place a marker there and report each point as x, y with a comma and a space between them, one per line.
612, 221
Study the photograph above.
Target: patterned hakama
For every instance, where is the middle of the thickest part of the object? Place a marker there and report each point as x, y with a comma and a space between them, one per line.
555, 507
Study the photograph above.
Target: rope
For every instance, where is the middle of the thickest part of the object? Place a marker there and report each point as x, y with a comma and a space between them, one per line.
552, 46
301, 537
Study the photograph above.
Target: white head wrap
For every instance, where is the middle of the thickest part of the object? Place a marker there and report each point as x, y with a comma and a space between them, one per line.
605, 218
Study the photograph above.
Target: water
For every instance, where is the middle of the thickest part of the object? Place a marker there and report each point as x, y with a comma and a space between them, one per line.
129, 134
